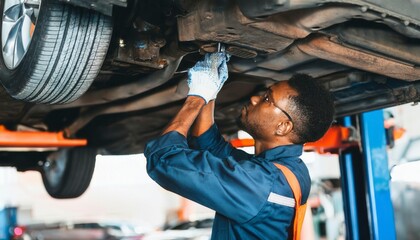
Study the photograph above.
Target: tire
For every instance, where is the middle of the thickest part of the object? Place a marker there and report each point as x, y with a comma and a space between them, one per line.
67, 173
64, 56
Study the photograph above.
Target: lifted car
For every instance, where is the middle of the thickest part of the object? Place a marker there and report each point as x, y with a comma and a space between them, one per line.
114, 72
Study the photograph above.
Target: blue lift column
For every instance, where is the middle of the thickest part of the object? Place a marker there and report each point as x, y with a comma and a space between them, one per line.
365, 181
353, 189
381, 213
7, 222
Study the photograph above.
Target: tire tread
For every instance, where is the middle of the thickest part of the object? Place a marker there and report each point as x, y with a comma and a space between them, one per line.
77, 175
69, 57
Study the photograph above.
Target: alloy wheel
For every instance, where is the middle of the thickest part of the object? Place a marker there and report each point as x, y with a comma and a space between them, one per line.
18, 24
55, 166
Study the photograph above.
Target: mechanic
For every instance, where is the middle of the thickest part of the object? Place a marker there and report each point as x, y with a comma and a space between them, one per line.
250, 195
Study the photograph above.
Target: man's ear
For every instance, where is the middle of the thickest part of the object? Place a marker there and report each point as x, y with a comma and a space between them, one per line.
284, 128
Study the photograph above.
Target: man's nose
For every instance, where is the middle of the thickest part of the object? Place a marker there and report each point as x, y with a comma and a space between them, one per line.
255, 99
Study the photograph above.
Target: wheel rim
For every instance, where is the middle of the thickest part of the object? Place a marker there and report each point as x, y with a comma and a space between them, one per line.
55, 167
18, 24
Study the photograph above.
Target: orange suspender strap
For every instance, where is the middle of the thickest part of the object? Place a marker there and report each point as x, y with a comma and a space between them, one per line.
299, 209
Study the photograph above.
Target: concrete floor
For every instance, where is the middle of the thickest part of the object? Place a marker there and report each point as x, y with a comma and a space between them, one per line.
120, 190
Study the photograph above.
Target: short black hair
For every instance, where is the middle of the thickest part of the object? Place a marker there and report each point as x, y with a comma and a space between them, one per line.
314, 109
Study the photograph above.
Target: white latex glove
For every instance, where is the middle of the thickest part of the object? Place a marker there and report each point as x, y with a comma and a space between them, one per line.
207, 77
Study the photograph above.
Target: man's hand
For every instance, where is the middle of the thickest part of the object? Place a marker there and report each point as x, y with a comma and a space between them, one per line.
207, 77
205, 80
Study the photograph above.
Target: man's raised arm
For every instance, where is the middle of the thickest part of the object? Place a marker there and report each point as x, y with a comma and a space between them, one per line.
204, 120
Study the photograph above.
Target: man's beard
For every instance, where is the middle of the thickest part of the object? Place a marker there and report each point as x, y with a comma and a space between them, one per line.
245, 125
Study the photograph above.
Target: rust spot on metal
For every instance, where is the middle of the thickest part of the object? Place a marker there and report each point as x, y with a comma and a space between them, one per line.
412, 92
241, 52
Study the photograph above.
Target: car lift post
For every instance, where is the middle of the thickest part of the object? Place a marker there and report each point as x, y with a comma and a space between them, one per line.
8, 220
352, 187
365, 181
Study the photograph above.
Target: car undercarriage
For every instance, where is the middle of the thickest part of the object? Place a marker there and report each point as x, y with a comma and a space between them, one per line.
126, 77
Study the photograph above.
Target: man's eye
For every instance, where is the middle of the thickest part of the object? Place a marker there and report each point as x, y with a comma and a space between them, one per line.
266, 99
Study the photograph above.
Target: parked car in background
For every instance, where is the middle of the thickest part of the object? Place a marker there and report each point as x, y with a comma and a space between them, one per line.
405, 188
114, 72
189, 230
77, 231
55, 231
114, 230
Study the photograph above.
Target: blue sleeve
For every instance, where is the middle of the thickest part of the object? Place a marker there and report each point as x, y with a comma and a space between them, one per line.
222, 184
214, 142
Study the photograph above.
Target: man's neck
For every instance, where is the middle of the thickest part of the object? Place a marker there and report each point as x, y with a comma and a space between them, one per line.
263, 145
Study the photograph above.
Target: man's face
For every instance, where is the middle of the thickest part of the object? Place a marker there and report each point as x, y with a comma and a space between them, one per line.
262, 114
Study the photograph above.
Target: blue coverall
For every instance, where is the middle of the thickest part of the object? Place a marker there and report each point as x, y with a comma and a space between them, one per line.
250, 195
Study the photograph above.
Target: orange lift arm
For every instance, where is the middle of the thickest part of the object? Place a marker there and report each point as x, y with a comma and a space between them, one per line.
335, 138
37, 139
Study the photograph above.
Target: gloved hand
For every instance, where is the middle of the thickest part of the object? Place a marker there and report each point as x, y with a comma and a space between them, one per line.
207, 77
